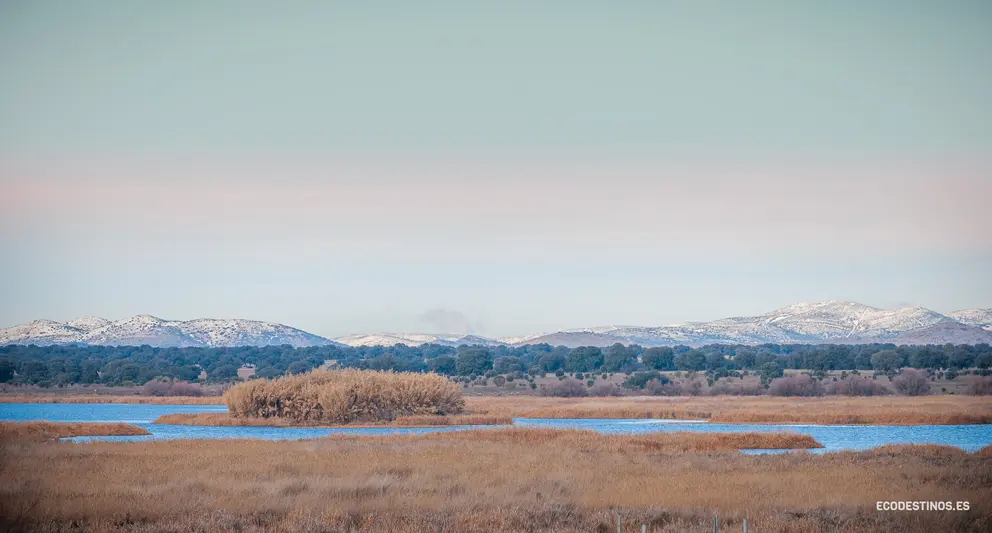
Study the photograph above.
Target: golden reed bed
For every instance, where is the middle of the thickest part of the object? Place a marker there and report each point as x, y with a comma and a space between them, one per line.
889, 410
492, 481
58, 430
224, 419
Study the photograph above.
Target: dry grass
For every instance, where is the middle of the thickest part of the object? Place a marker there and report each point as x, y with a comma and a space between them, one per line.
498, 480
592, 441
891, 410
37, 431
169, 400
346, 396
453, 420
224, 419
985, 452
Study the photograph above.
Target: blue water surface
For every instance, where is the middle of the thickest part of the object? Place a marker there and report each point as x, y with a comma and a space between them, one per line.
833, 438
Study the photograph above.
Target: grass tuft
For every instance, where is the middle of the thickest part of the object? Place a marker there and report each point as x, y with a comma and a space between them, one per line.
39, 431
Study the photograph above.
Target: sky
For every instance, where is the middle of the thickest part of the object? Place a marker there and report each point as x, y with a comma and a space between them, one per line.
500, 169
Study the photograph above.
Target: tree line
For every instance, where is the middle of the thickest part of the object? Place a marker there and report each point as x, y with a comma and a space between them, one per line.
134, 365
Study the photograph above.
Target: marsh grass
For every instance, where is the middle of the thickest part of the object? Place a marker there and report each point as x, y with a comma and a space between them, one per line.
346, 396
159, 400
494, 481
677, 442
890, 410
224, 419
453, 420
38, 431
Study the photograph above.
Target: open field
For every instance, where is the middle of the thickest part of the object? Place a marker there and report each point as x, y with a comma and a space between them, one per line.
224, 419
891, 410
502, 480
58, 430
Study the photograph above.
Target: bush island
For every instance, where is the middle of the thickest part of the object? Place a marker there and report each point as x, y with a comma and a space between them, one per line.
346, 396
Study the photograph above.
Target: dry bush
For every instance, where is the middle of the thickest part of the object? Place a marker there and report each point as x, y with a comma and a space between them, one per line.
985, 452
167, 387
346, 396
567, 388
795, 386
911, 382
37, 431
857, 386
980, 387
606, 389
674, 388
739, 389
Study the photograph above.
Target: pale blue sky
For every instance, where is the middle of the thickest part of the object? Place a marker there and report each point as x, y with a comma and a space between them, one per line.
347, 167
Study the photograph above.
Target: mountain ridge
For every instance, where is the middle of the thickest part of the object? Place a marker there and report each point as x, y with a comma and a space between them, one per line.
154, 331
831, 321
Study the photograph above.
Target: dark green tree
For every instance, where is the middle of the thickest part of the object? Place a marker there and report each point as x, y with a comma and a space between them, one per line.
473, 360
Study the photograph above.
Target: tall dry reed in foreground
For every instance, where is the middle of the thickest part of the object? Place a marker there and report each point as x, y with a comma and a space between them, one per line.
346, 396
58, 430
492, 481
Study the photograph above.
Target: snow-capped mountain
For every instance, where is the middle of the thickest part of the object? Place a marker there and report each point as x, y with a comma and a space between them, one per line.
415, 339
154, 331
974, 317
821, 322
830, 321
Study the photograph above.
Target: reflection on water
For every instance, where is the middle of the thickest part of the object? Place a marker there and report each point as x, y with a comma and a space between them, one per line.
834, 438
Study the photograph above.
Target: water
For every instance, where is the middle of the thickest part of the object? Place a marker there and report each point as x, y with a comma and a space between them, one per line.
834, 438
142, 415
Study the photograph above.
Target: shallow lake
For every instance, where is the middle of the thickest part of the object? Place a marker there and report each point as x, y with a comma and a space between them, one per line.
834, 438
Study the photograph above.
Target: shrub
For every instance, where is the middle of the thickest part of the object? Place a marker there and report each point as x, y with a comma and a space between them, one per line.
858, 386
980, 387
346, 396
167, 387
567, 388
795, 386
657, 388
638, 380
726, 389
606, 389
911, 383
499, 381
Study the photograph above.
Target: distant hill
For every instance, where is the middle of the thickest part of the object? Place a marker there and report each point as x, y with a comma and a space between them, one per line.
831, 321
939, 333
154, 331
818, 322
